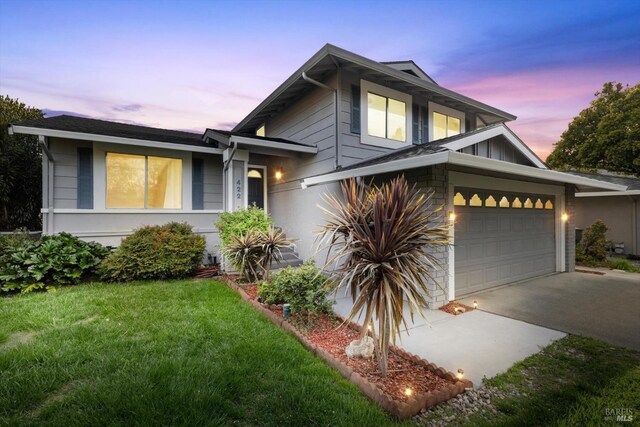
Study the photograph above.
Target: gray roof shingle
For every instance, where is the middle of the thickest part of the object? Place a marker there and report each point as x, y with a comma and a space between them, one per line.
632, 182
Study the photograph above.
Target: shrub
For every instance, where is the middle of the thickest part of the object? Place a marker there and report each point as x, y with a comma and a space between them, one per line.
47, 263
622, 264
253, 253
165, 251
16, 239
241, 222
304, 287
593, 245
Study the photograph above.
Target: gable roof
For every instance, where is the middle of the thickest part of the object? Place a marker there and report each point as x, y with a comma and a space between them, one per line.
411, 68
211, 133
453, 143
325, 61
107, 128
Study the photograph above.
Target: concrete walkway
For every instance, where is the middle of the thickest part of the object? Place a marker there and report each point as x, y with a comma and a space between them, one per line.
480, 343
598, 306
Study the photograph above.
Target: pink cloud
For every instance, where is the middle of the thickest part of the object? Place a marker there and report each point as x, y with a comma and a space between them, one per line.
545, 101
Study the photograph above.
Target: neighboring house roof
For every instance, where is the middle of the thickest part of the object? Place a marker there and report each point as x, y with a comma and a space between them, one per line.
411, 68
453, 143
109, 128
631, 182
325, 61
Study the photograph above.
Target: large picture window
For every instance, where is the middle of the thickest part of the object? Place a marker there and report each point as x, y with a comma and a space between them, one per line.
143, 182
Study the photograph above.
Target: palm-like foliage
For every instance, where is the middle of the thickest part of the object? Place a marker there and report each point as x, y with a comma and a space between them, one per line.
381, 242
244, 252
272, 243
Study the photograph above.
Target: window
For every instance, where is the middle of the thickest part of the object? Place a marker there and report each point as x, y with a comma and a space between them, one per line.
490, 202
135, 181
548, 204
475, 201
261, 131
528, 204
504, 202
445, 126
539, 204
387, 117
459, 200
516, 203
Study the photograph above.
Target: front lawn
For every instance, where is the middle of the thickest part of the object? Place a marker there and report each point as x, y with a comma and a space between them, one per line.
180, 353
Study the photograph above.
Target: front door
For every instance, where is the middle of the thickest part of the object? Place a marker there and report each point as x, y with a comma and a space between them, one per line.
256, 178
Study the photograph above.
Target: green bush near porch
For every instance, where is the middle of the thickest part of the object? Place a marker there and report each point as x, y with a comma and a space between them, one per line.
169, 251
242, 222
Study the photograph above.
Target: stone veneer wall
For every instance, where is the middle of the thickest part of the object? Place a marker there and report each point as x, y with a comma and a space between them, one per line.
435, 177
570, 228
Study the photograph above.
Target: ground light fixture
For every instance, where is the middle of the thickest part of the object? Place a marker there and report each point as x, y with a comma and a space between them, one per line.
286, 311
408, 392
475, 304
460, 374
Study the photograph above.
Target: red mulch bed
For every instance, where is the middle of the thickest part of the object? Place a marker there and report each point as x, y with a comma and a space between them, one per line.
456, 308
334, 336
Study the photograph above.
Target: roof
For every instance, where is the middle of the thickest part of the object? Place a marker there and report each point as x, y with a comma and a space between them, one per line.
324, 62
436, 146
108, 128
228, 133
411, 68
629, 181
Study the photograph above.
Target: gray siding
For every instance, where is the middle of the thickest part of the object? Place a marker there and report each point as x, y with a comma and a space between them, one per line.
65, 154
497, 148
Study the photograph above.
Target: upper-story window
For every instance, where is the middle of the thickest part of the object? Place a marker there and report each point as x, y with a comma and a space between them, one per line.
445, 122
386, 118
261, 131
445, 126
136, 181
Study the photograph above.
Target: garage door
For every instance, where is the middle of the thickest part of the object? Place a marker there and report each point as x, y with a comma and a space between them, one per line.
502, 238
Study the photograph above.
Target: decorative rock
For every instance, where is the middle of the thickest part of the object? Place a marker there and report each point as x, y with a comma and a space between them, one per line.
360, 348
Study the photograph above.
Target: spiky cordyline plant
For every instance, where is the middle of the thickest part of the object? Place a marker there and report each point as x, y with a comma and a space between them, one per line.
272, 242
381, 242
244, 253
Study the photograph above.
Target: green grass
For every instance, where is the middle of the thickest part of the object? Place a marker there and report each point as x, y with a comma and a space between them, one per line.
179, 353
570, 383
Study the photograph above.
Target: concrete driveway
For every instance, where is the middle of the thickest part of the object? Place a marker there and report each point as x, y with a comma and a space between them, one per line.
598, 306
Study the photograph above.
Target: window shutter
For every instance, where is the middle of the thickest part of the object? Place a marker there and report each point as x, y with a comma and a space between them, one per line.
355, 109
415, 122
197, 184
425, 125
85, 178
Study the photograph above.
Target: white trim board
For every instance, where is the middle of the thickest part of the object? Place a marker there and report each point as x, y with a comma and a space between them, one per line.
114, 139
255, 142
608, 193
264, 184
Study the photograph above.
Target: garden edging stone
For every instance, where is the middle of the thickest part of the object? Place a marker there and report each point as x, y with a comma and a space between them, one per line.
400, 410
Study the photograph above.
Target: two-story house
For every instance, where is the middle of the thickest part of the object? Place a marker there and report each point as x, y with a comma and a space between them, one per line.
339, 115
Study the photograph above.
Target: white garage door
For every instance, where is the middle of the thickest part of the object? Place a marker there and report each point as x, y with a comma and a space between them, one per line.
502, 238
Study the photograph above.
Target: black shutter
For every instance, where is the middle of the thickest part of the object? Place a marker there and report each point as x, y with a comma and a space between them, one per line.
85, 178
425, 124
355, 109
197, 184
415, 124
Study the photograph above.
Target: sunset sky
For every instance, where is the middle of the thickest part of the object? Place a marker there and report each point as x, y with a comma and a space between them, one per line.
191, 65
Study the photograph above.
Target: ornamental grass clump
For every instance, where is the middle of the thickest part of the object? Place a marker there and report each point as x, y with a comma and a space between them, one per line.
381, 243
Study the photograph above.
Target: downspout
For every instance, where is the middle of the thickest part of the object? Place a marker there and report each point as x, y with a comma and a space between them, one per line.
336, 103
43, 145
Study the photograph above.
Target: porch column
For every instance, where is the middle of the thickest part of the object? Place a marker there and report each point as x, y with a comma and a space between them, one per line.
235, 179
